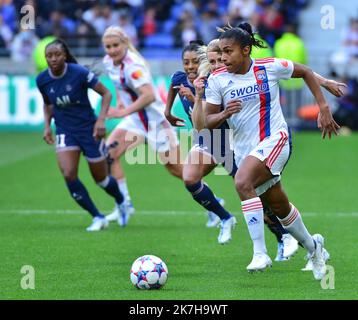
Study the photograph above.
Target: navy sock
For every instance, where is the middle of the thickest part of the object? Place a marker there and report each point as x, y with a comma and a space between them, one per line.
110, 185
275, 225
81, 196
206, 198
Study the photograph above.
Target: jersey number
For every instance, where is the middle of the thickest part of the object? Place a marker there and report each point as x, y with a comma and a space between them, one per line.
60, 141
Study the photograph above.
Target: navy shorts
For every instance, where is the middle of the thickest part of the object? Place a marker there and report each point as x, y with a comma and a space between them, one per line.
94, 150
216, 143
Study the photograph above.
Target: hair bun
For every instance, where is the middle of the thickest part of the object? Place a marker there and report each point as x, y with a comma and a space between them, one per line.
197, 42
247, 27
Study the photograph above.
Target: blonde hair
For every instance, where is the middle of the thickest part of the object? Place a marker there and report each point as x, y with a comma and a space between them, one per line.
118, 32
214, 46
204, 67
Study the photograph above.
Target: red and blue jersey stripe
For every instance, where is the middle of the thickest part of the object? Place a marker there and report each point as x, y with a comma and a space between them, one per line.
143, 116
265, 101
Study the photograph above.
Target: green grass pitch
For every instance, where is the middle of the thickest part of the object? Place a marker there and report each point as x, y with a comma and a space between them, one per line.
41, 226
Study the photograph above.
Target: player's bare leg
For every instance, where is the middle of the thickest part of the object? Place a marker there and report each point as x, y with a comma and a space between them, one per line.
125, 140
197, 165
171, 161
68, 162
250, 175
122, 140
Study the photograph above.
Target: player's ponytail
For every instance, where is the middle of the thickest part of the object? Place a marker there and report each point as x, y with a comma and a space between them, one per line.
242, 34
59, 42
204, 65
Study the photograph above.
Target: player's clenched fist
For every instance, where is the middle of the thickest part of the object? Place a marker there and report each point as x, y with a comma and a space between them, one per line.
232, 107
48, 137
199, 84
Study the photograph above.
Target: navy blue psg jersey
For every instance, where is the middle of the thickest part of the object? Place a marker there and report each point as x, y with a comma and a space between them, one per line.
72, 110
179, 78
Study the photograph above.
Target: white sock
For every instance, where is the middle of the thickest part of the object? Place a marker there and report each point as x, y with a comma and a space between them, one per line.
293, 224
122, 184
254, 216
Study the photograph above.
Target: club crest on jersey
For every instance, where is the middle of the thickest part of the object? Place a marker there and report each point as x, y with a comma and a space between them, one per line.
137, 74
260, 75
284, 63
68, 87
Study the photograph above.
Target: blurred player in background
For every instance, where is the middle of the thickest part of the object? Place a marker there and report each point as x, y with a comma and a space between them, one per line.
64, 87
201, 159
261, 137
140, 109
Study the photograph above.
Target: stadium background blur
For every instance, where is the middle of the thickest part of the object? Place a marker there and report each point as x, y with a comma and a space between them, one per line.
326, 40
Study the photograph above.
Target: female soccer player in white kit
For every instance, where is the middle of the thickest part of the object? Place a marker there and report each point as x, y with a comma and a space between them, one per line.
261, 138
141, 109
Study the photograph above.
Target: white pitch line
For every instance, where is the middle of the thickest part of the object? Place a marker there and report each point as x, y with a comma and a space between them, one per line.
56, 211
163, 212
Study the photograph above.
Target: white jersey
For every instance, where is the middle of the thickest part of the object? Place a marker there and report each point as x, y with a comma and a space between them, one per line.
261, 115
128, 77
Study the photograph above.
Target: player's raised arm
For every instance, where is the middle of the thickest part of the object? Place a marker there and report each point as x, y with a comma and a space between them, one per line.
174, 121
145, 98
197, 115
325, 121
214, 117
332, 86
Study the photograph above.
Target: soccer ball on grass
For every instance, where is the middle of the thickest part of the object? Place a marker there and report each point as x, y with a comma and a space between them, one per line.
149, 272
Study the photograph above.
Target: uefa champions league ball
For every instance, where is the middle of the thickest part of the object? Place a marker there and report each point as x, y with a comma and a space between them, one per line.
149, 272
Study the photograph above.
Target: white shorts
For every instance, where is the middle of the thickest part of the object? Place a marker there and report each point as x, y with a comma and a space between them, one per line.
276, 151
160, 135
